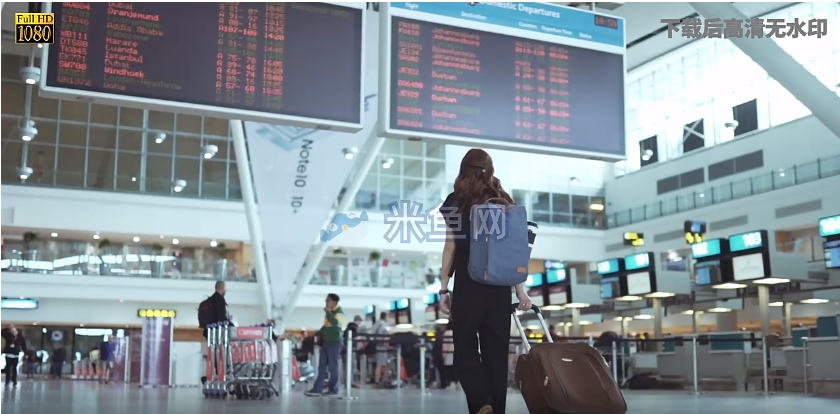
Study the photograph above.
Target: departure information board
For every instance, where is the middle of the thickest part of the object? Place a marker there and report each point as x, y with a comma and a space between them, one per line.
291, 63
523, 76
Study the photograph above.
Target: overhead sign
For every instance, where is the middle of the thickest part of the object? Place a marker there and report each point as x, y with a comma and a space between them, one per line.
253, 61
533, 77
606, 267
747, 241
156, 313
707, 248
637, 261
18, 303
694, 231
634, 239
830, 226
298, 174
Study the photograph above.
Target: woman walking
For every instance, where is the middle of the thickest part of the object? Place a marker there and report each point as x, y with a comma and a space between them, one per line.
481, 313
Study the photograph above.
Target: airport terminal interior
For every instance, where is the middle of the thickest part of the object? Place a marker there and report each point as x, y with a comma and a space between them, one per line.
200, 213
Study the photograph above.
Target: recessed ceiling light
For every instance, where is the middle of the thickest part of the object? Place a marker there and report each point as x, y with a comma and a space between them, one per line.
175, 241
53, 234
133, 179
136, 239
96, 237
213, 243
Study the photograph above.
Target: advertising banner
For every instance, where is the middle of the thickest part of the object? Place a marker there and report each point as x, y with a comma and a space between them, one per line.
298, 174
156, 351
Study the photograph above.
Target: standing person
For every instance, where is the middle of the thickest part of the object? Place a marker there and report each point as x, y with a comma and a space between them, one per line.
211, 311
106, 360
331, 335
59, 357
481, 315
382, 376
31, 363
15, 344
94, 360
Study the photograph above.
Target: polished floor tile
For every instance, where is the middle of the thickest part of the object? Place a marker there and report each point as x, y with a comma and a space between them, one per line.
37, 397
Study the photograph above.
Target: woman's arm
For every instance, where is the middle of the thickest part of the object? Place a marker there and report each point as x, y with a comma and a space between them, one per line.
448, 258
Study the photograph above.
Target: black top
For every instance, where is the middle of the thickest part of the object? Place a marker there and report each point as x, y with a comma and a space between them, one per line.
14, 344
59, 355
460, 226
219, 306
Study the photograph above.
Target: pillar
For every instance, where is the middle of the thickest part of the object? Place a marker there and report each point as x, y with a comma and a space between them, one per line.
657, 318
764, 309
576, 332
727, 322
782, 67
695, 321
246, 183
787, 325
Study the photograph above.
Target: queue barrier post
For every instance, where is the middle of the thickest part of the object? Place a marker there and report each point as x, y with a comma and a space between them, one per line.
399, 366
615, 360
348, 368
423, 367
805, 364
695, 382
764, 355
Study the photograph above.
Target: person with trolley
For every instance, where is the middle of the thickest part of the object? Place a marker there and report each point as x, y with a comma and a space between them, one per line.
481, 312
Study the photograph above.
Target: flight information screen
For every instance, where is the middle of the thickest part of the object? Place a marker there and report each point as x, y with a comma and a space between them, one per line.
474, 84
293, 59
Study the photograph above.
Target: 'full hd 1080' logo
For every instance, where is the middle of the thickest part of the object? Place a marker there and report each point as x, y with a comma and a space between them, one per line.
34, 28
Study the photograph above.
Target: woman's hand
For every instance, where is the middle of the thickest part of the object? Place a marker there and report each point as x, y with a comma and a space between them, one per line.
446, 304
524, 301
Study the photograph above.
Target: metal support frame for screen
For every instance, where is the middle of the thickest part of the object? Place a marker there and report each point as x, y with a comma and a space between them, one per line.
386, 12
129, 101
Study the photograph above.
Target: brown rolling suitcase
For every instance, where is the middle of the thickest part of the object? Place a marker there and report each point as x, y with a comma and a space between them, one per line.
565, 378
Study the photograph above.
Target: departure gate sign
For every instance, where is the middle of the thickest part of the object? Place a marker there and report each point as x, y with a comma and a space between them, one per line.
531, 77
291, 63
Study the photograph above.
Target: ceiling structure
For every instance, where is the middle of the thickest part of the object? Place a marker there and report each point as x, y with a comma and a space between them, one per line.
647, 36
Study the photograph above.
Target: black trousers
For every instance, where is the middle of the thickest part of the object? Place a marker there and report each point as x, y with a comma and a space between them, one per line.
441, 371
11, 370
481, 316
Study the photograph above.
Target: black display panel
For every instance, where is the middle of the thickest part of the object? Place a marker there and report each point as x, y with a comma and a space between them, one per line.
610, 287
832, 253
708, 273
294, 59
473, 84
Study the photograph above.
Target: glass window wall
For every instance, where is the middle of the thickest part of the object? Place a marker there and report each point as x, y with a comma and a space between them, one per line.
100, 147
707, 78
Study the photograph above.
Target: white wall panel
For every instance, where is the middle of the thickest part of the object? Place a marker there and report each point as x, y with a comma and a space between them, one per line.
115, 300
134, 214
95, 312
798, 142
552, 243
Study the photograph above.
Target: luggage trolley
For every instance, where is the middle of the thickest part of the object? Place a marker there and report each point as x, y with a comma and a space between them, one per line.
241, 361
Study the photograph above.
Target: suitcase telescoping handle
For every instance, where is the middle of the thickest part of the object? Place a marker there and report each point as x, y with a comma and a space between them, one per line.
513, 308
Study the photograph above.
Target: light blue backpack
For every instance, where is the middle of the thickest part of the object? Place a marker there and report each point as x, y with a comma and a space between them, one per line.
499, 243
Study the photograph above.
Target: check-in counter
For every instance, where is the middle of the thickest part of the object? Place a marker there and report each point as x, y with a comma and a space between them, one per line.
822, 366
727, 364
